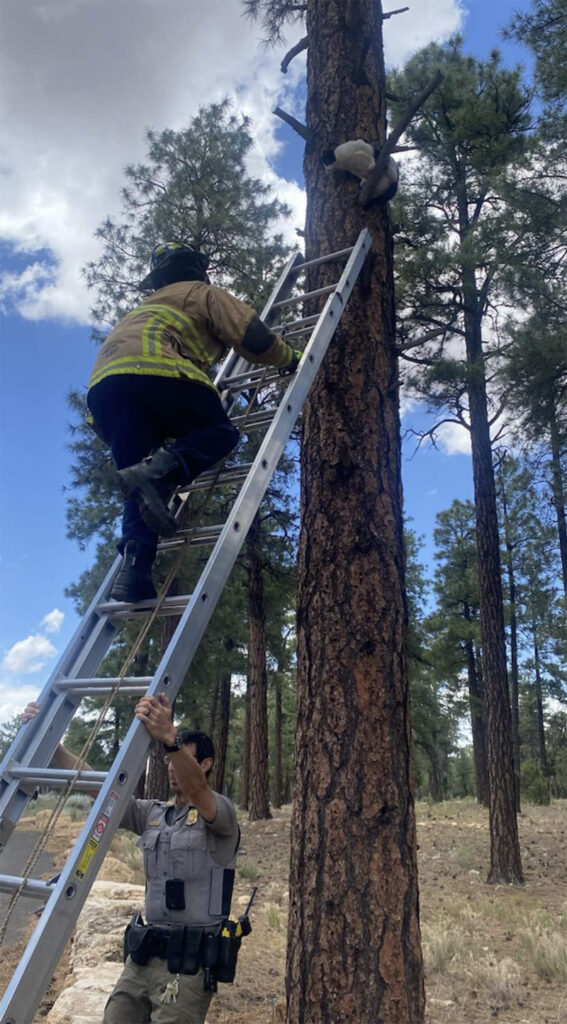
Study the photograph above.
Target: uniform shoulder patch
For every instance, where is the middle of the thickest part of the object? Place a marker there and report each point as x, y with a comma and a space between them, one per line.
192, 817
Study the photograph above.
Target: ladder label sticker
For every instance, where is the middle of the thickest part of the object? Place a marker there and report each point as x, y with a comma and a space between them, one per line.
93, 842
85, 860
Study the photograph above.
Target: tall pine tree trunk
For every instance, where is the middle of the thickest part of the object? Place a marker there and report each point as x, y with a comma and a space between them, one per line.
539, 706
558, 490
245, 791
221, 732
505, 861
157, 779
354, 950
259, 802
277, 787
514, 672
476, 704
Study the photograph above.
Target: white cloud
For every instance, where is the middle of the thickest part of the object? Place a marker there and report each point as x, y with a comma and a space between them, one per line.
453, 439
53, 621
82, 79
29, 655
13, 699
427, 21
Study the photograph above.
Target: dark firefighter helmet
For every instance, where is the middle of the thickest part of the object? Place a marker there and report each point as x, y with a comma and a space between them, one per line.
174, 261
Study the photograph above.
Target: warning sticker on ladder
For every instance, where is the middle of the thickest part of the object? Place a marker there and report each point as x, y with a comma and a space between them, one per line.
92, 845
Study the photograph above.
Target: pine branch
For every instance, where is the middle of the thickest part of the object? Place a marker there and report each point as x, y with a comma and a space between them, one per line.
405, 347
390, 14
377, 171
297, 126
298, 48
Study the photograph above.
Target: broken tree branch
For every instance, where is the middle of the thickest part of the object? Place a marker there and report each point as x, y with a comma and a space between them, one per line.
390, 14
293, 123
367, 189
298, 48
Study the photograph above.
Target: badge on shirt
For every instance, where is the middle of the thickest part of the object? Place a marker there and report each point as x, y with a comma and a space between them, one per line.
192, 817
154, 824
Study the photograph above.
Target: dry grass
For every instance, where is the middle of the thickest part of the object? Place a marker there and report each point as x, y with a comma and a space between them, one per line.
491, 952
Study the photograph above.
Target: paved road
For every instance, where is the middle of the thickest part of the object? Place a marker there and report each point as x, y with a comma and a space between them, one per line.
12, 862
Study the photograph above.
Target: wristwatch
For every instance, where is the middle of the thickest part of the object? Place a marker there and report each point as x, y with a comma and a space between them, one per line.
173, 748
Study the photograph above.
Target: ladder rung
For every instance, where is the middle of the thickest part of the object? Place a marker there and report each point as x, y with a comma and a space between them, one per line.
249, 377
196, 538
32, 887
102, 691
298, 334
296, 323
125, 609
226, 476
255, 421
339, 255
58, 777
306, 296
79, 684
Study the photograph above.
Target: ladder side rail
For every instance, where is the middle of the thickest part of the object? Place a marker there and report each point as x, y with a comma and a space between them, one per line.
36, 741
71, 664
46, 945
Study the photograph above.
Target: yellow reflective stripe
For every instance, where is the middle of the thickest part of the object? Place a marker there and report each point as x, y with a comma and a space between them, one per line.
152, 335
180, 322
157, 368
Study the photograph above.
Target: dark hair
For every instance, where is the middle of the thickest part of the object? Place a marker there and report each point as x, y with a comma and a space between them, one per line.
204, 744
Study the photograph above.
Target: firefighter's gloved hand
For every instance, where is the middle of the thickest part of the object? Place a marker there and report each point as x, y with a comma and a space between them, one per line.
292, 367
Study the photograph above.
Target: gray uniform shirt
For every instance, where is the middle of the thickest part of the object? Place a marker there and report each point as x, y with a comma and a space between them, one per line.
178, 843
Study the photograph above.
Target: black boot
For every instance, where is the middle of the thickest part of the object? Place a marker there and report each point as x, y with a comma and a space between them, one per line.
152, 482
134, 580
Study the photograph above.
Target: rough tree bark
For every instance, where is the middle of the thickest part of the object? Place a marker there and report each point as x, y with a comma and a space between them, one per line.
221, 731
259, 794
354, 943
277, 787
245, 790
558, 491
539, 709
476, 704
514, 672
157, 779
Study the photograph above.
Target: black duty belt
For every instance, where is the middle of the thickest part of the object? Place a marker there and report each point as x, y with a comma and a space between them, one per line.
187, 948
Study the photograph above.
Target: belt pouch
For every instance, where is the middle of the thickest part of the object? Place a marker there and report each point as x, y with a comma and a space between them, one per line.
192, 951
210, 948
175, 948
229, 944
137, 942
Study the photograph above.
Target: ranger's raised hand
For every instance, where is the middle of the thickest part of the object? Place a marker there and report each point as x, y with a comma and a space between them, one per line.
157, 715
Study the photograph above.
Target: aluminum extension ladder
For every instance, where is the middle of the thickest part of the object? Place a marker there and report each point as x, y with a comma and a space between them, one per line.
26, 763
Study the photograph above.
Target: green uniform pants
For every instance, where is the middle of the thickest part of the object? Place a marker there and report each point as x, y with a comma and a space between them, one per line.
135, 999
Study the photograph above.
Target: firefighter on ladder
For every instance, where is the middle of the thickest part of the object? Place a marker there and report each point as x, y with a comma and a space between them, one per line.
152, 401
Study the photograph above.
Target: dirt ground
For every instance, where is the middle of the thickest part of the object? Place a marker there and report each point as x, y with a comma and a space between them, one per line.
492, 953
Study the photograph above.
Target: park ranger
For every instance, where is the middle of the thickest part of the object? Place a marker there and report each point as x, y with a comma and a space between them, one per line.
189, 846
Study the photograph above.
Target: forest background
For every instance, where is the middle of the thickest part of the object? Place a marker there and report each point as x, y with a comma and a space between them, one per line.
504, 129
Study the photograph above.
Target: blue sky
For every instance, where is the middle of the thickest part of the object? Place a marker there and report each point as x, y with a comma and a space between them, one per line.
63, 176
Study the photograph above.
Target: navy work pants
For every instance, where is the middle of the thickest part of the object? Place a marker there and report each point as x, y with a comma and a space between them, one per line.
136, 413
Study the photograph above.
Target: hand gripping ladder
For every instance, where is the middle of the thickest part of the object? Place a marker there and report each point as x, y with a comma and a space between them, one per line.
26, 763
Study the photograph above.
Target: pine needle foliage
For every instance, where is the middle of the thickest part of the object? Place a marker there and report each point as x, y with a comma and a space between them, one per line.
193, 187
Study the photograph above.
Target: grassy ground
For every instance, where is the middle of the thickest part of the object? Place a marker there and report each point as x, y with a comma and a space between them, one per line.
491, 952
